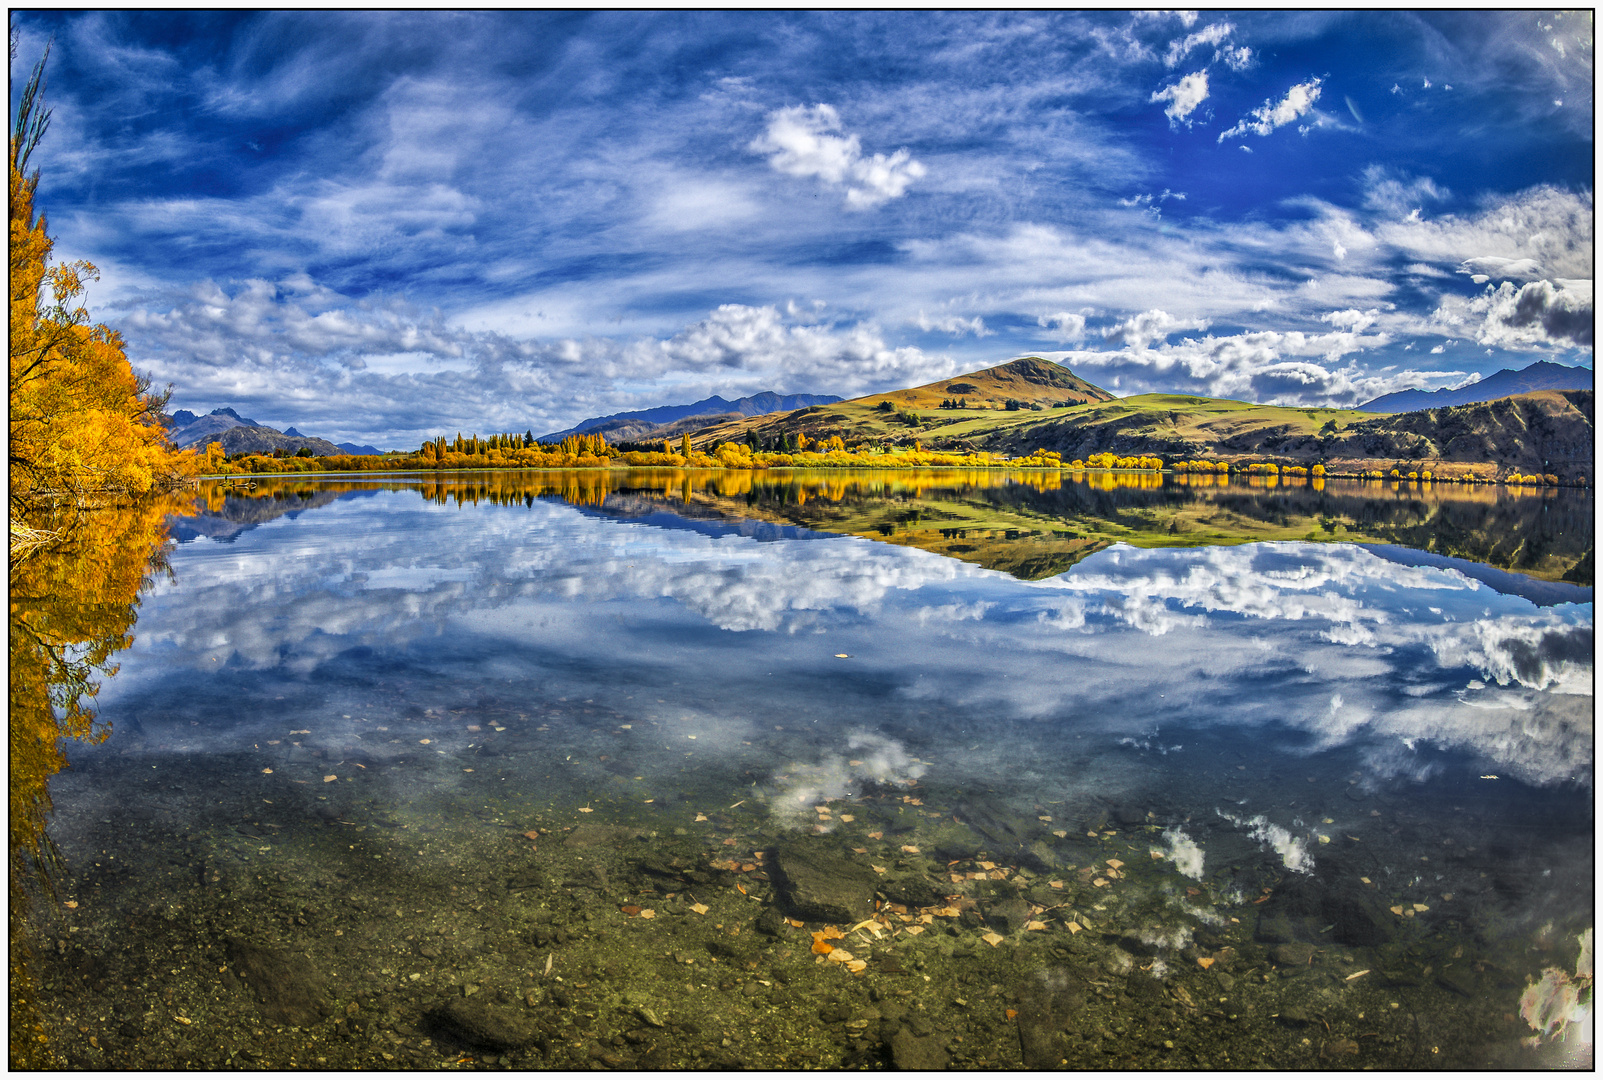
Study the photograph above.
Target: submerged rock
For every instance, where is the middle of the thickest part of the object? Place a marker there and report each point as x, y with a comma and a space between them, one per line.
1274, 927
910, 1052
1048, 1005
1293, 954
596, 834
1358, 919
290, 990
480, 1024
816, 883
1009, 914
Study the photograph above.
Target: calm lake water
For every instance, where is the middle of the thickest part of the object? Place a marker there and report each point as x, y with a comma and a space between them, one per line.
587, 770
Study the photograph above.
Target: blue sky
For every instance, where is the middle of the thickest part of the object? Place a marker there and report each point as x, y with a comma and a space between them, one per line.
384, 226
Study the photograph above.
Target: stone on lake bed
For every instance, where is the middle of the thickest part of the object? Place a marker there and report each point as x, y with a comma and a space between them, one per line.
1293, 954
596, 834
818, 884
912, 1053
482, 1025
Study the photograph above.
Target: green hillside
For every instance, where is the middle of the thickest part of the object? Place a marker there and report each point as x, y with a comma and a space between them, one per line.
1032, 404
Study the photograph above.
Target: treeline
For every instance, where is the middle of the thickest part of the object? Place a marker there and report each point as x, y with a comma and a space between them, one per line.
792, 449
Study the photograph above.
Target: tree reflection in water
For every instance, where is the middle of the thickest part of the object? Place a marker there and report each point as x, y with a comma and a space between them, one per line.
74, 601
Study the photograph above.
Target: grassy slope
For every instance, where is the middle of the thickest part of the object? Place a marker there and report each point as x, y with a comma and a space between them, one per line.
1545, 431
1029, 379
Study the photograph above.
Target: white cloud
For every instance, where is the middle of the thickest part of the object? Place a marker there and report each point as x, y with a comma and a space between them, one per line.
801, 141
1271, 367
1483, 269
1183, 97
955, 325
293, 353
1063, 326
1208, 35
1270, 115
1543, 314
1155, 324
1548, 225
1396, 194
1351, 319
1237, 59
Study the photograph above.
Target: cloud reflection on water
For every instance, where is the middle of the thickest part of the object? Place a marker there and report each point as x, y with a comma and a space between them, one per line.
1327, 639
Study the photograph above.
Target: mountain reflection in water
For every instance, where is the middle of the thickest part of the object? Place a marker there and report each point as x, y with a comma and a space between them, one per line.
1214, 793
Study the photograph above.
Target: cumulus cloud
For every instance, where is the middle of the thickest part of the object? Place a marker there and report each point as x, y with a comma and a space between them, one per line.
1063, 326
1208, 35
1271, 115
1236, 59
1538, 313
1183, 97
803, 141
1139, 331
292, 352
1269, 366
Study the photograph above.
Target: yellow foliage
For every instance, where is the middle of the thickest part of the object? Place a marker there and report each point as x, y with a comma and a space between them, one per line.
82, 424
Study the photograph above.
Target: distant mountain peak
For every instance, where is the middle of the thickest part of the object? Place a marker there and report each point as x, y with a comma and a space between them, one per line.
759, 404
1542, 375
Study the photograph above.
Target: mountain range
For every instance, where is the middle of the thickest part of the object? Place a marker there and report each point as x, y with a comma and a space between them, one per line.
665, 421
242, 435
1541, 375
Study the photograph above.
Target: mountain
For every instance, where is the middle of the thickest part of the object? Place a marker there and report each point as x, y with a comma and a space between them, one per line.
1539, 376
345, 447
264, 440
1030, 384
1029, 380
627, 426
241, 435
187, 429
1547, 431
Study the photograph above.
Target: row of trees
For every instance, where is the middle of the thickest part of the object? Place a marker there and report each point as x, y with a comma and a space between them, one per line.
1113, 461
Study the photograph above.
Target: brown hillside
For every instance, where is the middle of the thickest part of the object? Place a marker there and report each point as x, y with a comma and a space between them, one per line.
1549, 431
1029, 379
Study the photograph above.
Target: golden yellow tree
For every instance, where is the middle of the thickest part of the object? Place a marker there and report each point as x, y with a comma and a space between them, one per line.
83, 425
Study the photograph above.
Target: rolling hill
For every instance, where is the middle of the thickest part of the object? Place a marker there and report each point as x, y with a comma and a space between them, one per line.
1548, 431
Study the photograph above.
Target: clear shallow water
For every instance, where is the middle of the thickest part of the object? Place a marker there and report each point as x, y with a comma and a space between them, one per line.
336, 727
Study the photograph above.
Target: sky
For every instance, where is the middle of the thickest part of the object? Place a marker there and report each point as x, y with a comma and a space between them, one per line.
384, 226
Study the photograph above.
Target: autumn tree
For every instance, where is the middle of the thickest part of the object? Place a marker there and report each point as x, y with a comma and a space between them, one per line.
83, 425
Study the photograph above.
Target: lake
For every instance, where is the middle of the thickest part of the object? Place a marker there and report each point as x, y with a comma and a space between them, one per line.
837, 770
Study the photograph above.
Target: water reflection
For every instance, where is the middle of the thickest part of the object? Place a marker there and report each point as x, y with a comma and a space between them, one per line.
352, 715
1031, 524
73, 602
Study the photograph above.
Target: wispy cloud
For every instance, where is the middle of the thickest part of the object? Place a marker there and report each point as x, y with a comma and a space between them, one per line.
574, 210
1208, 35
